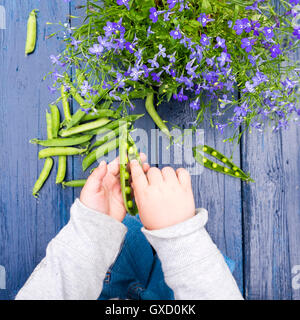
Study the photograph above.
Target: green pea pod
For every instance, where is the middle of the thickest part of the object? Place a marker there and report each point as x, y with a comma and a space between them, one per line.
65, 103
154, 115
74, 183
43, 176
102, 113
127, 150
84, 127
31, 32
62, 167
99, 152
49, 125
60, 151
114, 124
110, 135
231, 170
55, 116
60, 142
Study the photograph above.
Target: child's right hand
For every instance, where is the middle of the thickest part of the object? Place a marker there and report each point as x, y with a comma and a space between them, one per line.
164, 197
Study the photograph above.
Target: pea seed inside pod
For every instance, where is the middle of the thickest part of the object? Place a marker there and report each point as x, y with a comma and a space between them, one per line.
126, 175
127, 190
214, 165
214, 153
129, 204
130, 150
204, 149
224, 160
234, 168
237, 174
226, 170
204, 160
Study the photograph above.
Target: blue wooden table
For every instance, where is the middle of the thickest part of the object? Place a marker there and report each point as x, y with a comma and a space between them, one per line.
257, 225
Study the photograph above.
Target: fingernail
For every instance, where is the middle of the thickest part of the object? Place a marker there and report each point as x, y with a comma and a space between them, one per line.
102, 163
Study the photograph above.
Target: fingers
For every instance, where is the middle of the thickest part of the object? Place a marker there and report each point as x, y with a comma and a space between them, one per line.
146, 167
154, 176
139, 179
114, 166
169, 175
94, 181
184, 178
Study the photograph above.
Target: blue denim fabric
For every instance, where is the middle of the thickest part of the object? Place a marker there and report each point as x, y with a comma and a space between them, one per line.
137, 272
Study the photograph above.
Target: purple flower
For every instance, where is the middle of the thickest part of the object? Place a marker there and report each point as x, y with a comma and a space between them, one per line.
55, 60
51, 89
275, 50
153, 62
180, 96
268, 32
253, 7
86, 110
296, 33
221, 127
195, 105
242, 25
224, 57
85, 88
173, 72
229, 24
171, 57
247, 44
224, 101
149, 31
210, 61
176, 34
172, 3
75, 43
123, 2
146, 71
56, 75
259, 78
162, 51
136, 73
220, 43
129, 46
109, 29
204, 40
96, 49
156, 76
153, 14
252, 59
204, 19
294, 2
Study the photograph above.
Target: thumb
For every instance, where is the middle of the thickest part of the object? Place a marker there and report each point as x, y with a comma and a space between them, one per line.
139, 179
94, 181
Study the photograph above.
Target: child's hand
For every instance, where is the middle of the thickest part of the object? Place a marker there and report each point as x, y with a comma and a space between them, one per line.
102, 191
164, 197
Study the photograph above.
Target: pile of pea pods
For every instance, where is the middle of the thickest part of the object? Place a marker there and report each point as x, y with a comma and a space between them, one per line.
73, 136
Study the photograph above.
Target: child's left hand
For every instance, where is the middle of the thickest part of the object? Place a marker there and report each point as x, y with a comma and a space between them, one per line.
102, 191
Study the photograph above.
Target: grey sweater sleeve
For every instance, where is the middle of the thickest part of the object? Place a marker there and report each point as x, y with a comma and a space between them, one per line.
77, 259
193, 266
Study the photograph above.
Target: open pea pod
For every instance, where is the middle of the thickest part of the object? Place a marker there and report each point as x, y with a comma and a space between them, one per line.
231, 169
127, 151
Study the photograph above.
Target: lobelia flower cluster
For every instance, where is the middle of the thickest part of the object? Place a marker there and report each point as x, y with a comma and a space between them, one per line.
238, 53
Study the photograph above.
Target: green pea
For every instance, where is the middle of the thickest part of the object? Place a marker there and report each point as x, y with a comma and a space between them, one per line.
224, 160
43, 176
126, 175
237, 174
214, 165
214, 153
128, 190
234, 168
130, 204
204, 160
204, 149
226, 169
130, 150
31, 32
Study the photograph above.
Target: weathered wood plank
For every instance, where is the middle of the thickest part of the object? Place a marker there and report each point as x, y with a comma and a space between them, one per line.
219, 194
26, 224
